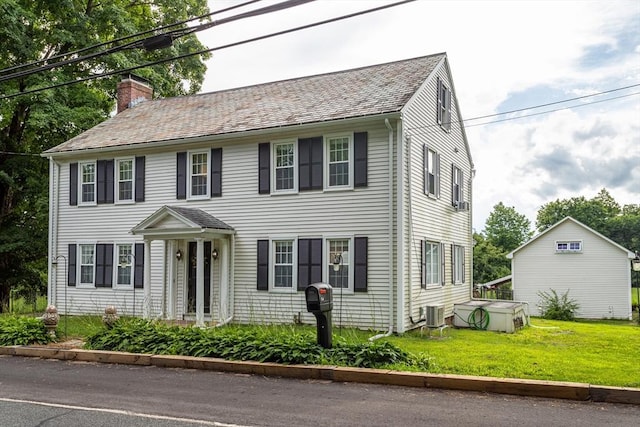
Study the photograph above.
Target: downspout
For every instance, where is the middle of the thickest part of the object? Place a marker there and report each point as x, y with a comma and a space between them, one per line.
473, 242
54, 190
390, 237
400, 233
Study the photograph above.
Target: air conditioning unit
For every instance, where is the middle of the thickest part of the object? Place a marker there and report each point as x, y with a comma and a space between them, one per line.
462, 206
435, 316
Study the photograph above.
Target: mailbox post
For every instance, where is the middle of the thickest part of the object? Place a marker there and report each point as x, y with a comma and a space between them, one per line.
319, 298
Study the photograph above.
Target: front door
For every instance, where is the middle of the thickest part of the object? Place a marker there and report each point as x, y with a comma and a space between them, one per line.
191, 288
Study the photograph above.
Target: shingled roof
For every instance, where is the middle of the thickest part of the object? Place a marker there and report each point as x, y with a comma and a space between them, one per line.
360, 92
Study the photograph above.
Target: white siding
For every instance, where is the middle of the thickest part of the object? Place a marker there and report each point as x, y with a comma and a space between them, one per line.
356, 212
427, 218
597, 278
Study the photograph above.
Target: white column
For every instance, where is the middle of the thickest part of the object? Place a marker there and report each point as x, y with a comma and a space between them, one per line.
224, 278
200, 282
171, 264
146, 305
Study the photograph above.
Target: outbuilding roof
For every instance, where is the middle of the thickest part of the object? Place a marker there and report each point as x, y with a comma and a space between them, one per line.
359, 92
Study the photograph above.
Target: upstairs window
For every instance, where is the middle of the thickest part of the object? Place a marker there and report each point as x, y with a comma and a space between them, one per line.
125, 177
338, 161
444, 106
569, 246
285, 166
88, 183
457, 186
199, 175
431, 172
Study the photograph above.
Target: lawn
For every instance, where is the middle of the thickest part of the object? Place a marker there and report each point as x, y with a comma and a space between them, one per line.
606, 353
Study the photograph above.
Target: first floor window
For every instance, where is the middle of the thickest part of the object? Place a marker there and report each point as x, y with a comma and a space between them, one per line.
283, 264
199, 174
125, 258
284, 166
432, 263
338, 255
458, 264
339, 161
87, 259
125, 179
88, 182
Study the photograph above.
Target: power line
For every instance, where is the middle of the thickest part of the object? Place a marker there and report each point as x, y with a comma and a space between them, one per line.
159, 41
62, 55
186, 55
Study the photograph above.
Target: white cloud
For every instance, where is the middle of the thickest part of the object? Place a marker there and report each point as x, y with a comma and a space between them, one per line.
497, 49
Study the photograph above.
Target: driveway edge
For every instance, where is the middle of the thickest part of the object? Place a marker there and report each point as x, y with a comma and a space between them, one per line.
519, 387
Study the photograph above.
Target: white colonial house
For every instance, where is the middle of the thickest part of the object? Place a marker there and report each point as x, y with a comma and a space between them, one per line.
571, 257
224, 206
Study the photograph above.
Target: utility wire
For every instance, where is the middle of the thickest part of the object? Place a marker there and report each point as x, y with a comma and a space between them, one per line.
160, 40
186, 55
75, 52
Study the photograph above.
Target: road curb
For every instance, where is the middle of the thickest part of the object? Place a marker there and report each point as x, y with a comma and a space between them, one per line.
519, 387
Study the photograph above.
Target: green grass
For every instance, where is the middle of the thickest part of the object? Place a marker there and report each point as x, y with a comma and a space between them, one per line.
603, 353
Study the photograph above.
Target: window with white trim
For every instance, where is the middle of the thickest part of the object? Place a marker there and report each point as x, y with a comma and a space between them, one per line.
432, 264
124, 179
88, 183
431, 172
444, 106
339, 161
457, 186
199, 174
458, 264
342, 277
124, 266
569, 246
87, 264
283, 264
285, 176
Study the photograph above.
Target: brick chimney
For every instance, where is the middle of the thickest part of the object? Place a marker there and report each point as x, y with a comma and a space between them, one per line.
132, 90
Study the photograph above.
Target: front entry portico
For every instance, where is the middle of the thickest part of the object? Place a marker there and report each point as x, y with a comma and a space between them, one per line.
189, 268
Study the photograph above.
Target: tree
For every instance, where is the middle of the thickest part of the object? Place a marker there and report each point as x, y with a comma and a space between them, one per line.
30, 124
593, 213
624, 229
507, 229
489, 261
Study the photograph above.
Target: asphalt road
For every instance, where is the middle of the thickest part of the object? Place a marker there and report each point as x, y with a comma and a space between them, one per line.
36, 392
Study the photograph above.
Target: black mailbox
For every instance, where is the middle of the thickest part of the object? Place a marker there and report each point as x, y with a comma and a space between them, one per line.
319, 298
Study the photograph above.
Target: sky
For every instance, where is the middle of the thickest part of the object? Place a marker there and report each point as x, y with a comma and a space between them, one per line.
504, 56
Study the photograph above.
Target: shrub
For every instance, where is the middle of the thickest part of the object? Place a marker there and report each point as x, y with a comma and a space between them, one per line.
16, 330
556, 307
288, 345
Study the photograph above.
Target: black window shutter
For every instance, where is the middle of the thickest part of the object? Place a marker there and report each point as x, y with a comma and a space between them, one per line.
140, 173
423, 265
361, 261
317, 164
310, 163
216, 172
138, 270
443, 265
309, 262
360, 142
463, 267
71, 274
105, 181
439, 103
263, 265
437, 172
264, 167
447, 119
181, 175
453, 263
304, 164
73, 184
104, 265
